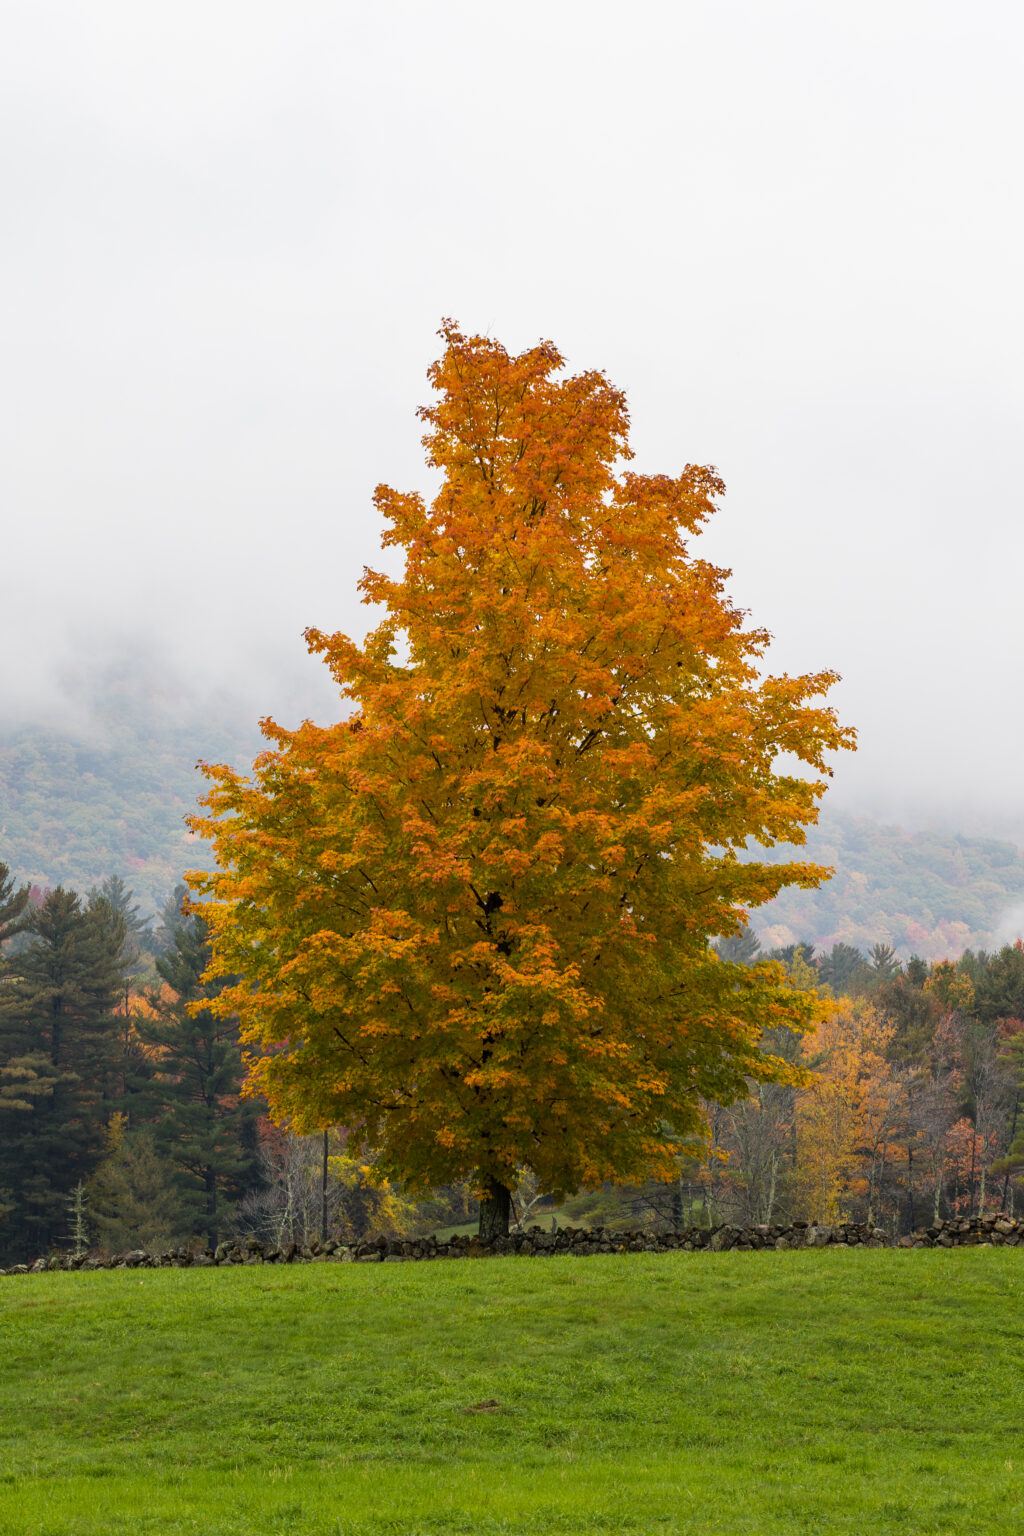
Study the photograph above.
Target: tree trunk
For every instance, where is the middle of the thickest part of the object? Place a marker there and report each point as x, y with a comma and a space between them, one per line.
1013, 1132
323, 1195
495, 1210
770, 1205
211, 1207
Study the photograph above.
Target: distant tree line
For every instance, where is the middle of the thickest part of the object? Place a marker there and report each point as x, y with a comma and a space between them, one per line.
123, 1124
906, 1102
109, 1085
122, 1118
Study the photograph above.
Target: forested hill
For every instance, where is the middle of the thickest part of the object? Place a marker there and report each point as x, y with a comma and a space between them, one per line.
76, 808
928, 893
112, 800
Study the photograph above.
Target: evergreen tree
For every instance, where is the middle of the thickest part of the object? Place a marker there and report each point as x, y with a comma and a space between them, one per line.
59, 1041
168, 920
999, 1003
999, 984
787, 953
844, 969
915, 1014
202, 1126
740, 948
1013, 1163
78, 1225
27, 1085
13, 901
133, 1202
883, 963
137, 933
112, 903
917, 971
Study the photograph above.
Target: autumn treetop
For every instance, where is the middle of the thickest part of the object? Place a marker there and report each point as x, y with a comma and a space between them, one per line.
471, 922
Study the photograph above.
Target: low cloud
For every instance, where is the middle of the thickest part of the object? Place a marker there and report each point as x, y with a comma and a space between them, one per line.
1010, 927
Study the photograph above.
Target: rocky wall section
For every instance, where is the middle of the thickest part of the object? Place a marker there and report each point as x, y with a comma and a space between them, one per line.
988, 1231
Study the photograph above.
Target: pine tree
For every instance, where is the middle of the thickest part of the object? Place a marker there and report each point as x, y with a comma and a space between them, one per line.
133, 1202
917, 971
13, 901
78, 1225
137, 933
787, 953
168, 920
844, 969
1012, 1164
884, 963
999, 1002
201, 1124
999, 991
59, 1043
741, 948
113, 904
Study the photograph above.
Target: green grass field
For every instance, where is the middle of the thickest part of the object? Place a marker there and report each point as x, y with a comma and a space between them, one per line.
829, 1391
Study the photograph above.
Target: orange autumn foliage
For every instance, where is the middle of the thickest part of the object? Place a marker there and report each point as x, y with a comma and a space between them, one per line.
848, 1112
471, 922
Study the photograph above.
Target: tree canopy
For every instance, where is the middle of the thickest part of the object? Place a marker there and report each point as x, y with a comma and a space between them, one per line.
472, 921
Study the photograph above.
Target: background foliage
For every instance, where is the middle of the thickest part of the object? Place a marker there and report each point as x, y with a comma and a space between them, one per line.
929, 893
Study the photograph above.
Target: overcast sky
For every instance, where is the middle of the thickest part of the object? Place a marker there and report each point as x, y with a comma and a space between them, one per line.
792, 233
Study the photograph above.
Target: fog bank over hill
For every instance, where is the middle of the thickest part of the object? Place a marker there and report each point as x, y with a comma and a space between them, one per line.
99, 782
106, 791
232, 231
78, 689
931, 893
100, 677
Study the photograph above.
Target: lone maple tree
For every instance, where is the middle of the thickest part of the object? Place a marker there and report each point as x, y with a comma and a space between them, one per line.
471, 922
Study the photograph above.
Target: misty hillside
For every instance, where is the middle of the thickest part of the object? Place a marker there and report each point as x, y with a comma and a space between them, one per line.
112, 800
928, 893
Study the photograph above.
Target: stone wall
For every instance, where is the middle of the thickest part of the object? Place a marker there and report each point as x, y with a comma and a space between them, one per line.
538, 1243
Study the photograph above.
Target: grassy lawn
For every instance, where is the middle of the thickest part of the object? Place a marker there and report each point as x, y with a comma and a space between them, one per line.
828, 1391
